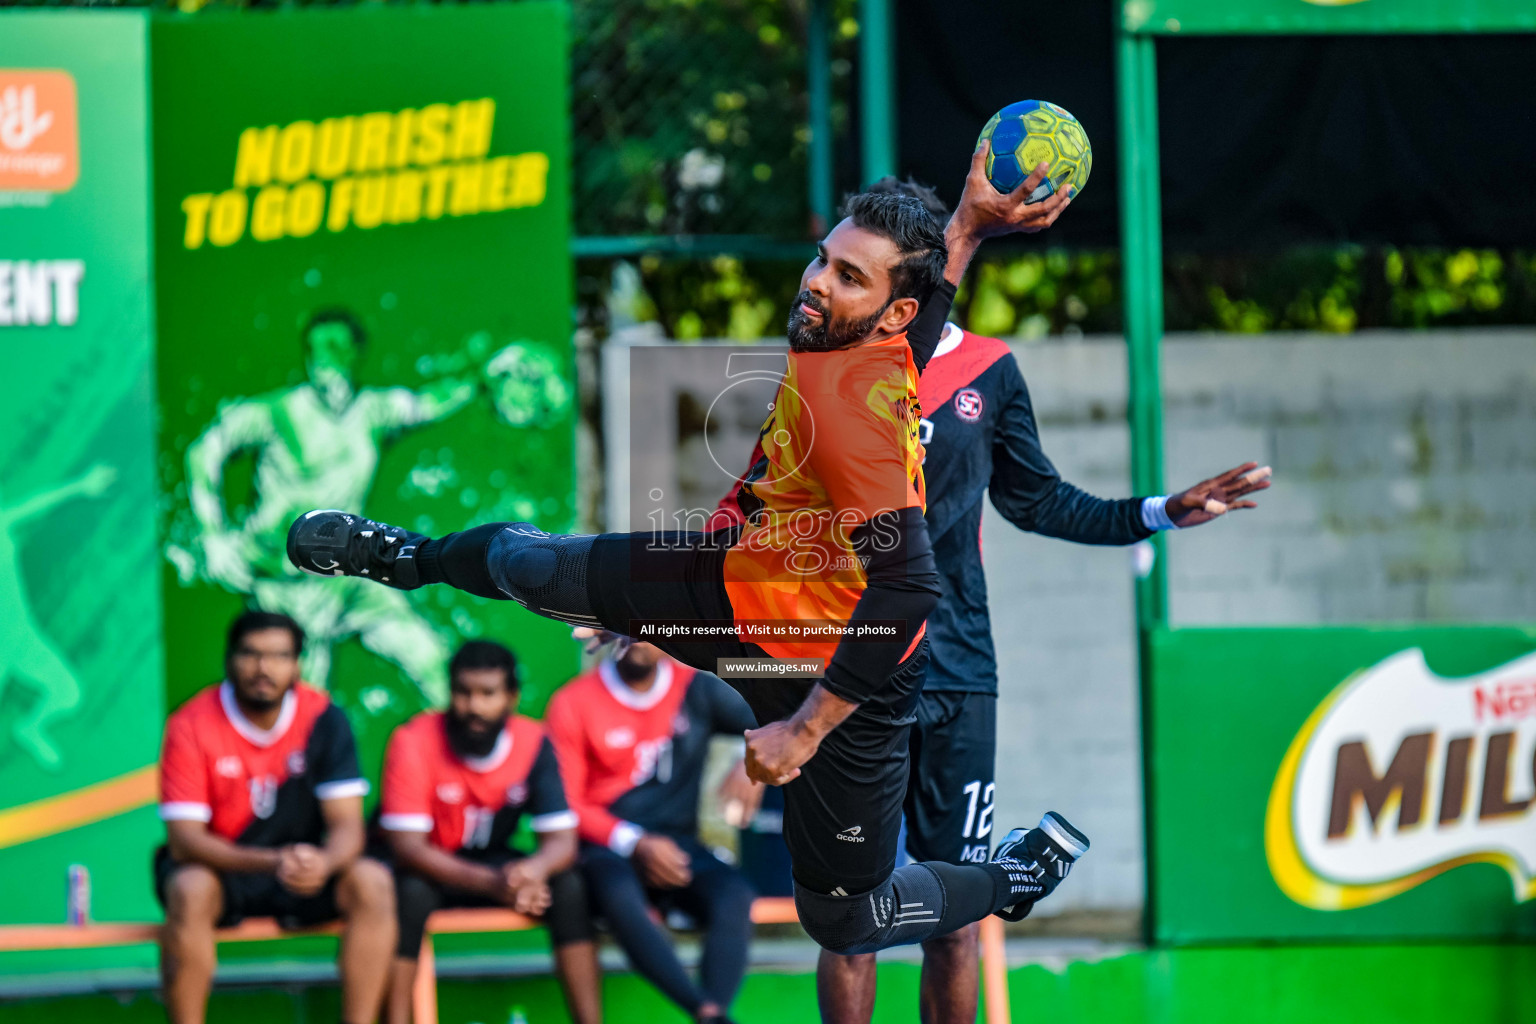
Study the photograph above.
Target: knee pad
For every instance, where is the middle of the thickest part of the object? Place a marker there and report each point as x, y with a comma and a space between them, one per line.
543, 572
906, 907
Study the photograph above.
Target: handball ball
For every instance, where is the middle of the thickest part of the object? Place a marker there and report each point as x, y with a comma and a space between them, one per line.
1029, 132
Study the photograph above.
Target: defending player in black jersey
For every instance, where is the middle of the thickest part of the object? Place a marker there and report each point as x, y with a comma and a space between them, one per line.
979, 432
834, 537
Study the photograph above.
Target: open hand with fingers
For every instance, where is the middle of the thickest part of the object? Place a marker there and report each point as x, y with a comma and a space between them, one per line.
1219, 495
984, 212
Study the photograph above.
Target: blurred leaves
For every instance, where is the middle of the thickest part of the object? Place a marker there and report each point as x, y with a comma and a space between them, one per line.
690, 116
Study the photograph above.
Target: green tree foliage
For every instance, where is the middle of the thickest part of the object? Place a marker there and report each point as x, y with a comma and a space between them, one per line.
1033, 294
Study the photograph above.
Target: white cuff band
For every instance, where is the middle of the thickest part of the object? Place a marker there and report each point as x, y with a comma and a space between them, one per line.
185, 811
555, 821
1154, 514
623, 838
341, 788
405, 822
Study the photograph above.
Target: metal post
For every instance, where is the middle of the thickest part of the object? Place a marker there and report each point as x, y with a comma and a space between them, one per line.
818, 57
877, 89
1141, 242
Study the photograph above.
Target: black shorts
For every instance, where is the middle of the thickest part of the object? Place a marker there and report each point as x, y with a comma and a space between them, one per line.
842, 815
567, 918
950, 795
257, 895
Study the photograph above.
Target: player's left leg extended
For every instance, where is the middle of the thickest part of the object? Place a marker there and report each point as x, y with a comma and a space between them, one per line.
842, 817
610, 581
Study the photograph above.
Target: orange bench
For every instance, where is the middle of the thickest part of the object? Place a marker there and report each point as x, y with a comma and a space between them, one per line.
765, 910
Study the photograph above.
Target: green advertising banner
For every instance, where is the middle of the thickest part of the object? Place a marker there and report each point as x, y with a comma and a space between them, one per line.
81, 664
1315, 784
1303, 17
364, 294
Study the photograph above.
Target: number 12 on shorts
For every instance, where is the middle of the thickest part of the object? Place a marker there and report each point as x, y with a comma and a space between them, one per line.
978, 826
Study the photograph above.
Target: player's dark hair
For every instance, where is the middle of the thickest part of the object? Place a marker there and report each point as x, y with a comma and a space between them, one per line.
904, 220
485, 654
257, 621
892, 185
341, 316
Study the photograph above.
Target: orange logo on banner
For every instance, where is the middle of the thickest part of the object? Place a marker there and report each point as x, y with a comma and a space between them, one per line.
39, 131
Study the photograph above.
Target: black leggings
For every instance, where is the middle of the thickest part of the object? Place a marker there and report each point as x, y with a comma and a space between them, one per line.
842, 815
717, 897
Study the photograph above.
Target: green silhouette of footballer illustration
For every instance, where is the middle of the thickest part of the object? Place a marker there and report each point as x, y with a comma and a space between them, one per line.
28, 657
318, 445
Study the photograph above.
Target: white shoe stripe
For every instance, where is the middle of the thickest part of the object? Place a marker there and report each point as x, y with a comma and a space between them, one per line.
1062, 838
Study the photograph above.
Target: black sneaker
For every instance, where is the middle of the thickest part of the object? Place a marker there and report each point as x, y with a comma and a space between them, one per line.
330, 543
1038, 859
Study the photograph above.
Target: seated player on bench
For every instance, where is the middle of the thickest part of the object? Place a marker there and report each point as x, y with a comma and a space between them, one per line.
262, 800
456, 783
633, 736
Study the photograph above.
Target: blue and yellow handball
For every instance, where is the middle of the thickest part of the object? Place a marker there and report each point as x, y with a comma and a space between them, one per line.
1030, 132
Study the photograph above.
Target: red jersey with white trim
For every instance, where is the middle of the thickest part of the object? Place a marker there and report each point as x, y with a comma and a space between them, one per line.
471, 803
258, 787
633, 761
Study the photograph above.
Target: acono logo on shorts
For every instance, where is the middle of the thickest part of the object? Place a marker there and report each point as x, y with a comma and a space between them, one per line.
39, 131
1401, 775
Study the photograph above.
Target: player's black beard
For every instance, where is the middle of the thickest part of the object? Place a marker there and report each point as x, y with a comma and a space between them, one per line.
256, 704
632, 671
828, 335
467, 742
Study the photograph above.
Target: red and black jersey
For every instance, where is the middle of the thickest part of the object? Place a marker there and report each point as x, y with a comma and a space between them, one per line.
633, 762
471, 803
258, 787
981, 438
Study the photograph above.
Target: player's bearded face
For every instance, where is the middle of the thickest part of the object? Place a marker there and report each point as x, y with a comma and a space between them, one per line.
479, 702
823, 330
263, 668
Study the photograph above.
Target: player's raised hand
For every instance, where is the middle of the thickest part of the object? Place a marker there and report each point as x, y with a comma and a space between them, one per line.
1219, 495
984, 212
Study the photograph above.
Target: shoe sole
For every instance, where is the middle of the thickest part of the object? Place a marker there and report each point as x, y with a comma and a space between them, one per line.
1062, 833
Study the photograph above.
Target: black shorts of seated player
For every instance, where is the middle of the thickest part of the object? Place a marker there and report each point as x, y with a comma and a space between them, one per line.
257, 895
416, 897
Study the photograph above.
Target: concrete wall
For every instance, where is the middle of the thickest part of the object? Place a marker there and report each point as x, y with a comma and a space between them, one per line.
1405, 489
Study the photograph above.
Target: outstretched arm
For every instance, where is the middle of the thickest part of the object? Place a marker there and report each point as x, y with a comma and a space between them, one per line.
88, 485
1028, 491
403, 407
